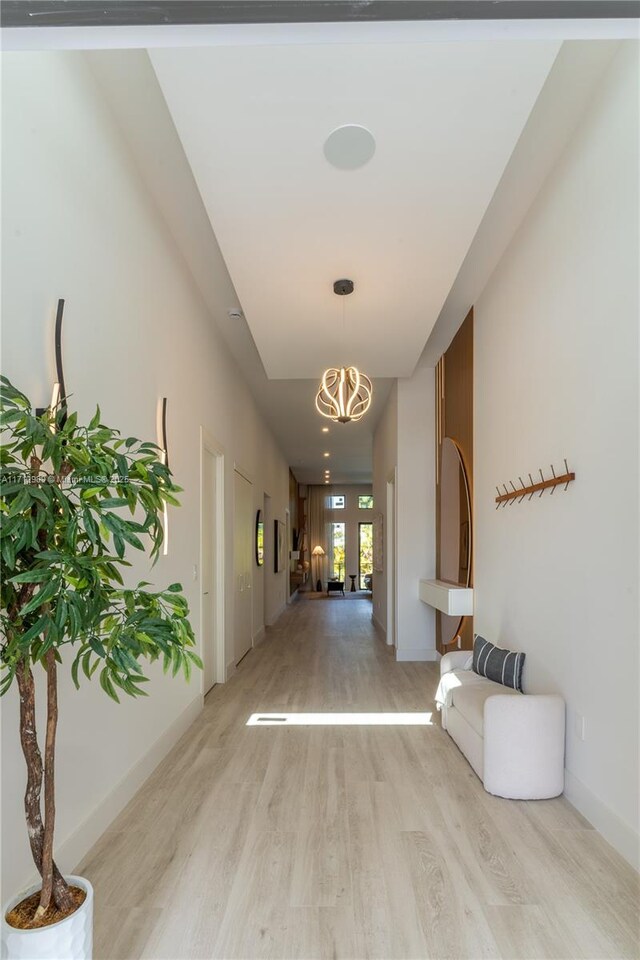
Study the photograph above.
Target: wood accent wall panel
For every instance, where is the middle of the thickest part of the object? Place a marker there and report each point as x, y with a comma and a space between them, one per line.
456, 412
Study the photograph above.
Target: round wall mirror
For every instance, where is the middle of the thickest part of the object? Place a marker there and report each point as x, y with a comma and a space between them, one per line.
259, 539
455, 528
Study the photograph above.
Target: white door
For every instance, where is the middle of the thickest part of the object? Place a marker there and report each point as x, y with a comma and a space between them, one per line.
390, 560
243, 567
212, 563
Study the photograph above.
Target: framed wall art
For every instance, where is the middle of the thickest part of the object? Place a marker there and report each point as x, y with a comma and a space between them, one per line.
259, 539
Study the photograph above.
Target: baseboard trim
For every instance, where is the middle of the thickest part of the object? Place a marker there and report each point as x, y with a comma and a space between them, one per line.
75, 847
406, 654
274, 619
260, 637
381, 630
622, 837
231, 669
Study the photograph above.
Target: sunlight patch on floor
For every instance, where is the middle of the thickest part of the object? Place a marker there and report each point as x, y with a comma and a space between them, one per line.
330, 719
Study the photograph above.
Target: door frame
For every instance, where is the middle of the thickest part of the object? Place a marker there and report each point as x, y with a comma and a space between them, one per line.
209, 445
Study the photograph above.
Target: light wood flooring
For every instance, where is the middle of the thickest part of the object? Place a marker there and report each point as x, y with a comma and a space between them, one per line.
345, 841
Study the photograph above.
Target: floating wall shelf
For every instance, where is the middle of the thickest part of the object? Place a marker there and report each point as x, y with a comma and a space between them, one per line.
447, 597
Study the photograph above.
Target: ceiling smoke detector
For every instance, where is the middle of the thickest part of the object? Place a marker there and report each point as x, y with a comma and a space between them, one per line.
235, 313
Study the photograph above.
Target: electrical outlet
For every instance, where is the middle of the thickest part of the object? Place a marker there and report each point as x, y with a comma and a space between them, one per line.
195, 571
579, 726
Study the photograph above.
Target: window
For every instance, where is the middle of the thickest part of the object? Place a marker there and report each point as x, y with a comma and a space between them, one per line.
365, 555
337, 502
337, 550
365, 503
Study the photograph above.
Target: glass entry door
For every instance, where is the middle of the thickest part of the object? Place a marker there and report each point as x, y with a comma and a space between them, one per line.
365, 554
337, 551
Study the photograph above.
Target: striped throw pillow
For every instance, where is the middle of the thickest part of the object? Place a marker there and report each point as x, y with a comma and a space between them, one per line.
501, 666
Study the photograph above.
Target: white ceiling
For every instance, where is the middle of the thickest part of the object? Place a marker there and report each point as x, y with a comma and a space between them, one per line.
253, 121
130, 83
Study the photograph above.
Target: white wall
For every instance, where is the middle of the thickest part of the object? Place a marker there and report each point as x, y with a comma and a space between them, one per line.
385, 459
79, 223
416, 513
556, 375
405, 441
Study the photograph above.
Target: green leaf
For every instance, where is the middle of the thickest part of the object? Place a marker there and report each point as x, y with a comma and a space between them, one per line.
90, 526
97, 647
34, 631
95, 420
41, 597
107, 685
31, 576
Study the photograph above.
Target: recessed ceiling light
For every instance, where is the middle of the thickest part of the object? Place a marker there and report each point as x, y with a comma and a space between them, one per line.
326, 481
349, 147
325, 454
325, 429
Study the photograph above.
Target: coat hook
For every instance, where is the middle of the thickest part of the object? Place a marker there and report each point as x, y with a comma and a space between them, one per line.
513, 493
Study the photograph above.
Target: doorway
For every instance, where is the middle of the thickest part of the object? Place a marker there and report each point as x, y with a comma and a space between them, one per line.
243, 529
211, 561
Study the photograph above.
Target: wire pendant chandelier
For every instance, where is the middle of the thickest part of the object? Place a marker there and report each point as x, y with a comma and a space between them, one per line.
345, 393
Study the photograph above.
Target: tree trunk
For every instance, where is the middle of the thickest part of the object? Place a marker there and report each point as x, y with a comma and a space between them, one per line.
31, 751
33, 759
49, 784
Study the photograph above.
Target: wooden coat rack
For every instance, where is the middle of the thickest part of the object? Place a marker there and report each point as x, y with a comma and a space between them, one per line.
519, 493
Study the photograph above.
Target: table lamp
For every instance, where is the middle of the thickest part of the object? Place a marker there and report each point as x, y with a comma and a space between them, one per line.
318, 552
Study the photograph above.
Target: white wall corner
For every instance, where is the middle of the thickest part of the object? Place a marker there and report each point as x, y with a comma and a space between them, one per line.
615, 831
381, 630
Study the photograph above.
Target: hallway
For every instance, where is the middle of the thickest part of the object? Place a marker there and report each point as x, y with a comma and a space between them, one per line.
345, 841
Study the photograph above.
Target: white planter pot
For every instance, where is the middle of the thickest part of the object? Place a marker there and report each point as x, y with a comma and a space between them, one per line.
70, 939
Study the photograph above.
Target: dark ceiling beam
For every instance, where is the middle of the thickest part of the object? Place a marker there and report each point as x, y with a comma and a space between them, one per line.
105, 13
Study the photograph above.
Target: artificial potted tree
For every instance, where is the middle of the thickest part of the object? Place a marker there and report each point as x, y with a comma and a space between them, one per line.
73, 501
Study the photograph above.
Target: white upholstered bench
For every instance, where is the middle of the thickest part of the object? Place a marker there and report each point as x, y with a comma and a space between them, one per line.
513, 741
